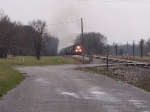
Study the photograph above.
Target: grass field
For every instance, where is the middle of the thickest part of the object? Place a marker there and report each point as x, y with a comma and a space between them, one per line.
9, 78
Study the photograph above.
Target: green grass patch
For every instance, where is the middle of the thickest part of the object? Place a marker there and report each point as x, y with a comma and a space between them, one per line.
9, 78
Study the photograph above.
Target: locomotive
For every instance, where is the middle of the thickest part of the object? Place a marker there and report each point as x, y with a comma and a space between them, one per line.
74, 50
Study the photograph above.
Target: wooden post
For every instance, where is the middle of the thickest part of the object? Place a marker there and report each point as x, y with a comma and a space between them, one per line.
82, 39
133, 48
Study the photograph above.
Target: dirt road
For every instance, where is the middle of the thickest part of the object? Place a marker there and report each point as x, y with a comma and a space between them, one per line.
59, 88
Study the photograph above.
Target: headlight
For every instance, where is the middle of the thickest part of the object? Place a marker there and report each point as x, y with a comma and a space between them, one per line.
78, 47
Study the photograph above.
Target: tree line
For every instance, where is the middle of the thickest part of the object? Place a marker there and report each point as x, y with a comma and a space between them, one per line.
94, 43
32, 39
142, 48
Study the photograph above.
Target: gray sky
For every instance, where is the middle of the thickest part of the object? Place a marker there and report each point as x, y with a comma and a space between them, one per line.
119, 20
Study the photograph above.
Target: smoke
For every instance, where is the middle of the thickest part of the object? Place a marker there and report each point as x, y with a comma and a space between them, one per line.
66, 21
118, 21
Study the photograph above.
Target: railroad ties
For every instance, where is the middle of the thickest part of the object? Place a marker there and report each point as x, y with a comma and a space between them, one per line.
132, 72
126, 62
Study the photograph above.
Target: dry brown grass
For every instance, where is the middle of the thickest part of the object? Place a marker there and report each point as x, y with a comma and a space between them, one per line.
143, 83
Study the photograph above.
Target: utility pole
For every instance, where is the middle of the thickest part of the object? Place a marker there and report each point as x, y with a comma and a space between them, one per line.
38, 51
107, 57
127, 53
142, 45
82, 39
133, 48
116, 48
121, 50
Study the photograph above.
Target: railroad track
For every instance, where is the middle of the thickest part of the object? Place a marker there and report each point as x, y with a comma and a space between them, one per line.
114, 61
125, 62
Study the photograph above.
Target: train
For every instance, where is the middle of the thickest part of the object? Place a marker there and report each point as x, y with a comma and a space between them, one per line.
74, 50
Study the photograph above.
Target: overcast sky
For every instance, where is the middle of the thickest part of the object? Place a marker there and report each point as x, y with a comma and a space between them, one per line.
119, 20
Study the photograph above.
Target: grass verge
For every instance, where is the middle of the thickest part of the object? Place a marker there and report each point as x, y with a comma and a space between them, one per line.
9, 78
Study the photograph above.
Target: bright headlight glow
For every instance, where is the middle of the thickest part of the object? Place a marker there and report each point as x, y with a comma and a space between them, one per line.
78, 47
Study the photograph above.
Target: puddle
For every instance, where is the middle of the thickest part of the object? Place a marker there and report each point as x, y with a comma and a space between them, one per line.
138, 103
42, 81
98, 94
93, 93
70, 94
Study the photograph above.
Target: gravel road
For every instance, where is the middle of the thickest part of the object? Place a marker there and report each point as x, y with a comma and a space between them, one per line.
59, 88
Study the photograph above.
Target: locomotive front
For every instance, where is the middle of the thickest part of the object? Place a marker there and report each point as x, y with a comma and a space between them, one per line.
78, 49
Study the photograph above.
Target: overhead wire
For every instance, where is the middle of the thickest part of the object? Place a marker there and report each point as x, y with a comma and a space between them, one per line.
65, 22
130, 1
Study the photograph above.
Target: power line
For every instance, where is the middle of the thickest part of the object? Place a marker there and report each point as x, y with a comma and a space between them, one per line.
129, 1
66, 22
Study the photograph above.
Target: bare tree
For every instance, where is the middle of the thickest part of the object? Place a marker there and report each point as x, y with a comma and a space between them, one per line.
147, 47
50, 46
1, 12
141, 45
22, 43
38, 34
18, 39
94, 43
8, 32
116, 49
148, 43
